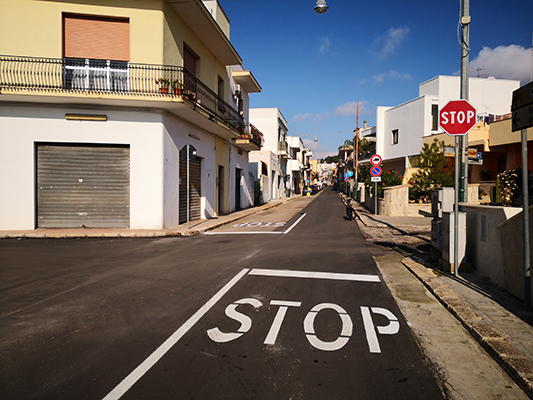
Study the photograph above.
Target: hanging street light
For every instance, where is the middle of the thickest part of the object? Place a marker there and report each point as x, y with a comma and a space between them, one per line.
321, 6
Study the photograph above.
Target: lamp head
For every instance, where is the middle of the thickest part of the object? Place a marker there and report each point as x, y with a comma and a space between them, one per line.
321, 6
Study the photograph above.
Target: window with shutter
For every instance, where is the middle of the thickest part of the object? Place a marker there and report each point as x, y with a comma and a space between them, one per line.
96, 52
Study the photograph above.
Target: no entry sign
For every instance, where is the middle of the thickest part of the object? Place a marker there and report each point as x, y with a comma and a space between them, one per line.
457, 117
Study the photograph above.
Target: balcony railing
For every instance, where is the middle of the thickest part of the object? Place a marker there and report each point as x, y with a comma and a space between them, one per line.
75, 75
283, 148
256, 135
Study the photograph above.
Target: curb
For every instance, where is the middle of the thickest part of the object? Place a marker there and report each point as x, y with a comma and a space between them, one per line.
141, 233
519, 367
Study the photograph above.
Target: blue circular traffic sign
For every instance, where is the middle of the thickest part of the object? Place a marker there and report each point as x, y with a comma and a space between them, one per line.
376, 171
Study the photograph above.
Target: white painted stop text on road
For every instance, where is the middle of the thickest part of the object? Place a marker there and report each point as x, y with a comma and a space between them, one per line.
371, 330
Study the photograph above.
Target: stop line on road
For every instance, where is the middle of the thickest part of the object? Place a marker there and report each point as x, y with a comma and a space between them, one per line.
371, 329
259, 225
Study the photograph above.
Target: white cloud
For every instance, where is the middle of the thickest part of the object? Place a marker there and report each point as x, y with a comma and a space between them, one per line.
391, 75
319, 117
350, 108
318, 150
503, 62
391, 40
324, 44
302, 117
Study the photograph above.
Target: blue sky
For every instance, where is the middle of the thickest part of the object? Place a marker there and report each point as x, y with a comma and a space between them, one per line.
314, 68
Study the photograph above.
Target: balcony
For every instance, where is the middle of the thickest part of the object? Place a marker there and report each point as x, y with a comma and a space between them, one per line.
117, 83
283, 149
294, 166
251, 139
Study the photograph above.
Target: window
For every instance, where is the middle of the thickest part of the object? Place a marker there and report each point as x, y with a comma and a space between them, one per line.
394, 136
190, 60
96, 52
191, 65
221, 87
96, 37
97, 75
434, 117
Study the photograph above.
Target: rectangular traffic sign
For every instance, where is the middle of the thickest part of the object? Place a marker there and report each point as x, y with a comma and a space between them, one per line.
522, 97
522, 118
375, 178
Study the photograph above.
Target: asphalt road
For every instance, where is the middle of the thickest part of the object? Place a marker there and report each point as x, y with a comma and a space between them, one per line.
286, 304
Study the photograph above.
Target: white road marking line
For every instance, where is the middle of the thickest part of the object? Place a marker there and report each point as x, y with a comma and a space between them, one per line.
242, 233
143, 368
296, 223
257, 232
285, 273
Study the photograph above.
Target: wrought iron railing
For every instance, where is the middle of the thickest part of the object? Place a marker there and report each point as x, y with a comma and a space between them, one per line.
114, 77
255, 135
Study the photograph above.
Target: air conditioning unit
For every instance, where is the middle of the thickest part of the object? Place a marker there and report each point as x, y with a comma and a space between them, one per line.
238, 90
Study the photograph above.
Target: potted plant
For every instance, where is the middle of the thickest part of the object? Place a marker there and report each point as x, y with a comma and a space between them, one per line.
178, 87
163, 84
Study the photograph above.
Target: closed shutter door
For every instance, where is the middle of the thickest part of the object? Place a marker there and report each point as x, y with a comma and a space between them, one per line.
103, 38
195, 195
83, 186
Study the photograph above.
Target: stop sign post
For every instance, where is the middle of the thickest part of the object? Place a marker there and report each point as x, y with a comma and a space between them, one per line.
457, 117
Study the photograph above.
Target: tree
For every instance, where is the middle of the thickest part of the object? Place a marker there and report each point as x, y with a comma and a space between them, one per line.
435, 171
331, 159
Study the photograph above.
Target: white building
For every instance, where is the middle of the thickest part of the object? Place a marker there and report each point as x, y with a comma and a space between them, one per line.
269, 165
97, 104
400, 129
295, 165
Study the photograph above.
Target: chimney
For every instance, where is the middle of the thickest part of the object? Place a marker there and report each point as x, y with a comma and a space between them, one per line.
364, 124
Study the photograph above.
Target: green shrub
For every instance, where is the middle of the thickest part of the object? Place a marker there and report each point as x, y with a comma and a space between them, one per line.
435, 171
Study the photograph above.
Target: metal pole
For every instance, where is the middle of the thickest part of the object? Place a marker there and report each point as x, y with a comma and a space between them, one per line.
461, 162
456, 210
525, 212
376, 199
356, 151
465, 59
188, 189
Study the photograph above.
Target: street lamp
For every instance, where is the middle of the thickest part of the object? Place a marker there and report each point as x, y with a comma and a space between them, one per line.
321, 6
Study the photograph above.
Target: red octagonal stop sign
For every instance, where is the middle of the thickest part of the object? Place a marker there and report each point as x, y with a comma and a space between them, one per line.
457, 117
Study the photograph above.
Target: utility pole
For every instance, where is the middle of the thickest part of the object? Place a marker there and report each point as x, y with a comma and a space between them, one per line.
461, 142
356, 150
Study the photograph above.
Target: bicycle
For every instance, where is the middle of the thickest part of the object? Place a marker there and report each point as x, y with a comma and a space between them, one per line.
350, 212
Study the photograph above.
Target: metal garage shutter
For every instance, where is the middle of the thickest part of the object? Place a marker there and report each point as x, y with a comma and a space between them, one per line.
195, 179
83, 186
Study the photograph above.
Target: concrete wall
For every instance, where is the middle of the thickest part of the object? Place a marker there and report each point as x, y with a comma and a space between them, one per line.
394, 200
484, 251
512, 245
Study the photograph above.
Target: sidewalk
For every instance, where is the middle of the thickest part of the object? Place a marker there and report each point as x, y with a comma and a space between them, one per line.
195, 227
492, 316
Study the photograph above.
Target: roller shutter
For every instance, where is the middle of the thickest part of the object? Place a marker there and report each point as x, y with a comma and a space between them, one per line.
95, 37
195, 179
83, 186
